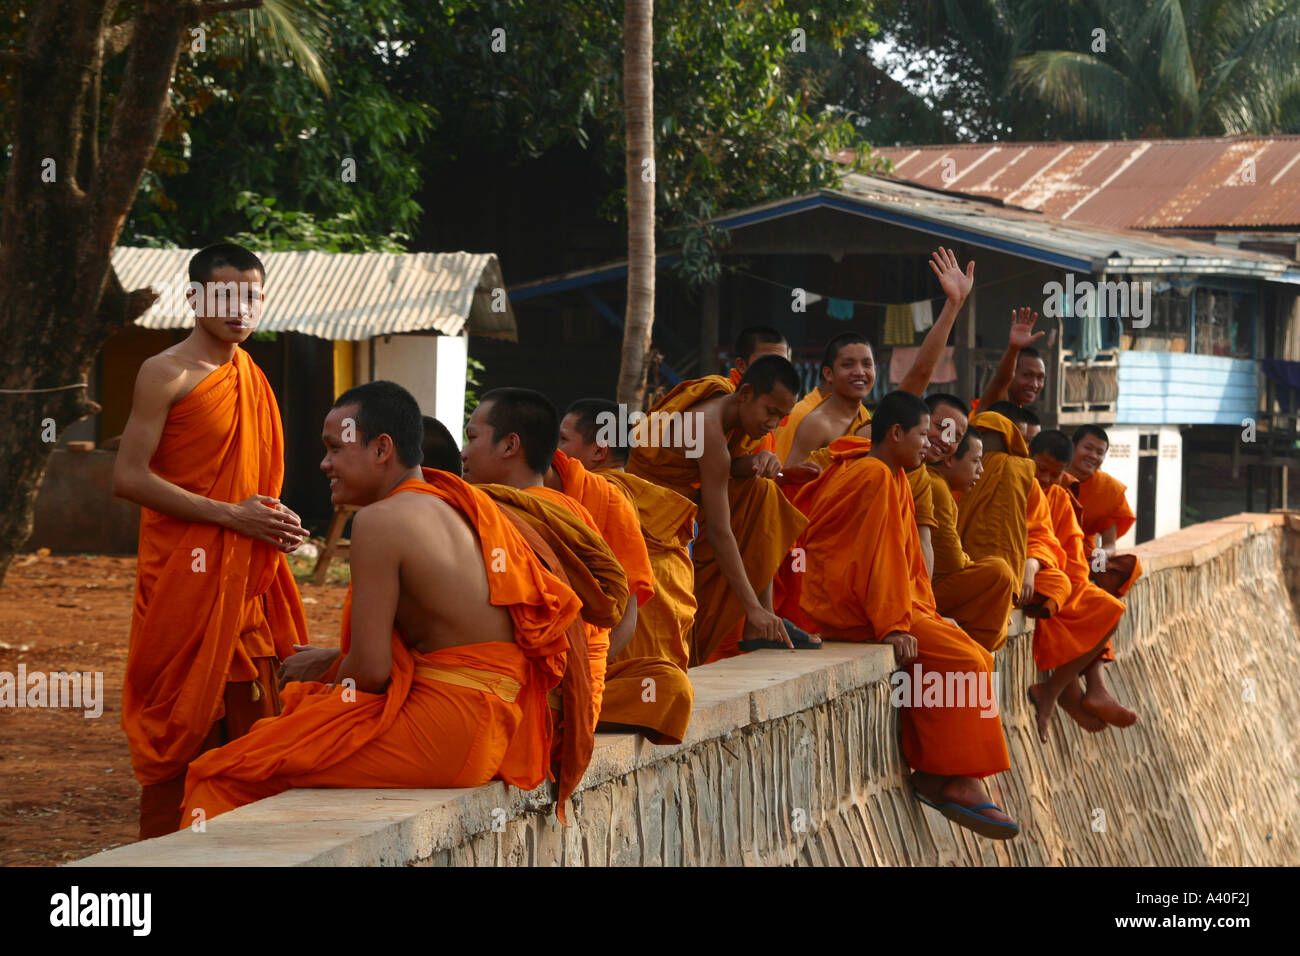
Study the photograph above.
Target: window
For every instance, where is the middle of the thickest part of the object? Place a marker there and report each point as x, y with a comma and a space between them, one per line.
1224, 323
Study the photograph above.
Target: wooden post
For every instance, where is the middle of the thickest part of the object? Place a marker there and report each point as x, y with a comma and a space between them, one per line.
709, 328
332, 542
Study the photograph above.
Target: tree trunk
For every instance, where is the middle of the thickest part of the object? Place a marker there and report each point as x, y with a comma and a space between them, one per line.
638, 106
63, 208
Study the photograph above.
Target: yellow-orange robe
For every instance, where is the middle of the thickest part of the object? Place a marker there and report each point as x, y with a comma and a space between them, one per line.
1089, 614
212, 607
1004, 513
645, 692
1104, 504
784, 435
763, 522
867, 579
976, 594
426, 729
660, 646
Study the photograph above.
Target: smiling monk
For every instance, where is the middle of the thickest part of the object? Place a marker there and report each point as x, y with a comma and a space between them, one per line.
216, 607
453, 633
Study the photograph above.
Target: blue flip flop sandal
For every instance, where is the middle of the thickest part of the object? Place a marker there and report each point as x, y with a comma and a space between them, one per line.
985, 826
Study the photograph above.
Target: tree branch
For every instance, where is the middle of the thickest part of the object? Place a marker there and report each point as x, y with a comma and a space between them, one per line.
201, 11
118, 37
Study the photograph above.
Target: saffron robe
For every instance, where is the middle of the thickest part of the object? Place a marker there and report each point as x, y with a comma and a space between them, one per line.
1090, 614
768, 441
1004, 513
649, 691
763, 522
1104, 503
867, 579
660, 647
784, 435
976, 594
421, 731
208, 602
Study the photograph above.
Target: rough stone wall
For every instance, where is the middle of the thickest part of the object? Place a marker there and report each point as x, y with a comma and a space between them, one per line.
1207, 777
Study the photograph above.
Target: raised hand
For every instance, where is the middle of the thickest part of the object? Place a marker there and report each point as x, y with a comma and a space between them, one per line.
1022, 328
956, 284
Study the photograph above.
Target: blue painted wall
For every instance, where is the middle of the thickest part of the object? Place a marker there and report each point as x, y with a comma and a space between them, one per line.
1174, 388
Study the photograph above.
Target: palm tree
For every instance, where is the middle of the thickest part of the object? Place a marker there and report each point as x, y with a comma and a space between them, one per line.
1169, 68
638, 107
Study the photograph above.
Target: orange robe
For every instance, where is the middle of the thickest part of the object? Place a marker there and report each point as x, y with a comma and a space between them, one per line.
553, 525
784, 435
426, 729
788, 581
1090, 614
763, 521
645, 691
1104, 504
867, 579
660, 646
1004, 514
214, 610
975, 594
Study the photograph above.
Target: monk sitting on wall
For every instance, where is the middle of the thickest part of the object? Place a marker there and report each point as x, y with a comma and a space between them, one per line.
1105, 512
453, 633
866, 581
1071, 643
747, 524
659, 652
751, 345
216, 607
977, 594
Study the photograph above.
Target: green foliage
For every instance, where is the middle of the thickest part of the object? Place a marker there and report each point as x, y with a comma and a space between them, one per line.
274, 230
473, 368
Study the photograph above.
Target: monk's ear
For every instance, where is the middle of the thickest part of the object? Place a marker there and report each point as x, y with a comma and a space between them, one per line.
512, 445
601, 455
384, 447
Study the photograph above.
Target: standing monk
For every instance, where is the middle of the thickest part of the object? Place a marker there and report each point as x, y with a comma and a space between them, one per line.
453, 632
747, 523
1022, 373
867, 582
660, 647
216, 607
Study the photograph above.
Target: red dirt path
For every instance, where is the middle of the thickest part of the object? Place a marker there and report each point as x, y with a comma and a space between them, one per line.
66, 787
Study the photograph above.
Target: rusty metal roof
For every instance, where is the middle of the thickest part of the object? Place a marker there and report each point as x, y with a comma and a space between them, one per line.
343, 296
1129, 184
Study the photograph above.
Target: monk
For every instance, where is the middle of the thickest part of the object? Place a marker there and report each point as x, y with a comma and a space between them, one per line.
752, 344
1106, 512
1022, 373
510, 440
659, 651
849, 370
867, 582
439, 448
1005, 514
1072, 640
453, 633
746, 522
216, 607
783, 437
977, 594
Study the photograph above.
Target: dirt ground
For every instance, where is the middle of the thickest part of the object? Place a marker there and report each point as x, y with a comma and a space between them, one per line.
66, 786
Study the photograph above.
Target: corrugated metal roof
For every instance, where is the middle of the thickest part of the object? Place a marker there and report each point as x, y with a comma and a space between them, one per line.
1048, 239
343, 296
1132, 184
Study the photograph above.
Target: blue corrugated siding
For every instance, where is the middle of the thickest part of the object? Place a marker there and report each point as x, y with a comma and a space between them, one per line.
1174, 388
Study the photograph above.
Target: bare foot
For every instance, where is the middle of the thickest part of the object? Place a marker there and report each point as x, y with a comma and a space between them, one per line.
1044, 708
928, 785
1071, 701
1100, 703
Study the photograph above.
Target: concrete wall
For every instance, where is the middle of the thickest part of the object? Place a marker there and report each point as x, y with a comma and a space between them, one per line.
792, 759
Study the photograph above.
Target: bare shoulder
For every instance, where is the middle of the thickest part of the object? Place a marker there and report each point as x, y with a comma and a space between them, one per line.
395, 516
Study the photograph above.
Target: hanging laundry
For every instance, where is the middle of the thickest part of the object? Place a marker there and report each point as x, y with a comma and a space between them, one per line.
840, 309
922, 315
898, 325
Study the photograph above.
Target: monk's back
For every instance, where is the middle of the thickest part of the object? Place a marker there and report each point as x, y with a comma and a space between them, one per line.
443, 581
